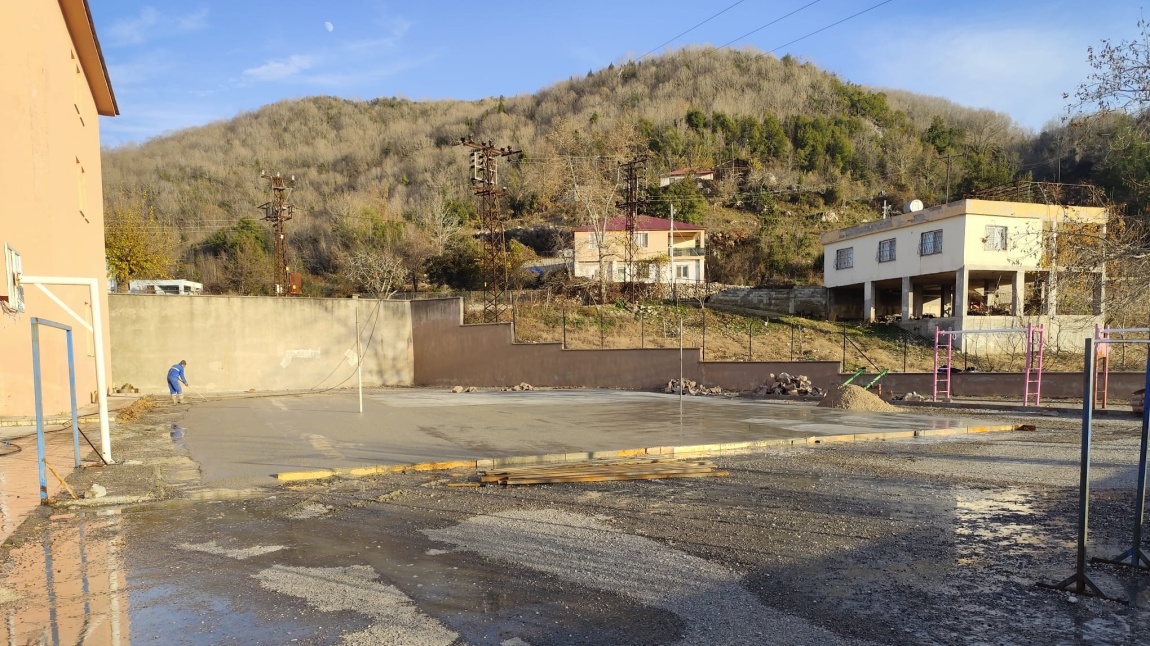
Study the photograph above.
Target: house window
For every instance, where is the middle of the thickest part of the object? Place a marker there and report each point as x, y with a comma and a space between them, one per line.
683, 271
621, 273
931, 243
592, 241
886, 250
845, 258
641, 240
995, 239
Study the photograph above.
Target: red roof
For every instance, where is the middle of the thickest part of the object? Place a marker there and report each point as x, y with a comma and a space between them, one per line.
644, 223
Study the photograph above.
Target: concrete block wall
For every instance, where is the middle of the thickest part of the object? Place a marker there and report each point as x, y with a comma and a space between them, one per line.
1010, 385
449, 353
237, 343
808, 301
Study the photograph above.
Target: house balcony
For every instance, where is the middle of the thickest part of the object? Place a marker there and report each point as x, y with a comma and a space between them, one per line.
690, 252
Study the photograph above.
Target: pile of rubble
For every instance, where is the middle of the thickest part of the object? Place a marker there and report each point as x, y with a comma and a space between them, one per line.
910, 397
784, 384
461, 389
691, 388
522, 386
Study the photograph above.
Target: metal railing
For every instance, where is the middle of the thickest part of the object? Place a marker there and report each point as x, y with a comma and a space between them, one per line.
697, 252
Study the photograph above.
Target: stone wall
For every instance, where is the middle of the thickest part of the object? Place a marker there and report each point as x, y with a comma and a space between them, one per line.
793, 301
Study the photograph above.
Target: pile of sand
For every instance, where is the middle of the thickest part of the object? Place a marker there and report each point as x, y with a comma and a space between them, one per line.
851, 397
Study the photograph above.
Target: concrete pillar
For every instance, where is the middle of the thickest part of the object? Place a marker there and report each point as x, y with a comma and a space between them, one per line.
906, 298
961, 279
1052, 293
1018, 293
868, 301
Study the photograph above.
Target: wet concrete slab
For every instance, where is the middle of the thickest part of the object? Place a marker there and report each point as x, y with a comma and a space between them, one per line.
241, 441
20, 479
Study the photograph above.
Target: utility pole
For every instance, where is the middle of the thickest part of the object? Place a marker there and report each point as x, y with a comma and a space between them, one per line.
948, 158
485, 185
633, 203
278, 211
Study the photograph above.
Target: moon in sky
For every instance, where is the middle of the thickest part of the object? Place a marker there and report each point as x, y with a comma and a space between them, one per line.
329, 26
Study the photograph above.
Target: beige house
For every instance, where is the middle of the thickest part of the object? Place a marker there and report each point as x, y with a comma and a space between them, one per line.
970, 264
55, 88
603, 248
680, 174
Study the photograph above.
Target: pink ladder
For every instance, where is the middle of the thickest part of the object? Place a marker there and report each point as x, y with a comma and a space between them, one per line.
1035, 349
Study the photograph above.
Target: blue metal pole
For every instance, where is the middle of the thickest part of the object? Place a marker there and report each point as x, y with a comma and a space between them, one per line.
72, 386
40, 453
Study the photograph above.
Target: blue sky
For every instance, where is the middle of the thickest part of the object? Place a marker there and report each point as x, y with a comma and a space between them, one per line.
177, 65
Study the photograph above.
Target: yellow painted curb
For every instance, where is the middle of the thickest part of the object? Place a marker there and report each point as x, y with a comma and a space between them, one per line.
696, 450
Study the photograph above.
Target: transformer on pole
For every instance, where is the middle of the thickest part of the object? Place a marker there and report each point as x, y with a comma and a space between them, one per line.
278, 211
484, 177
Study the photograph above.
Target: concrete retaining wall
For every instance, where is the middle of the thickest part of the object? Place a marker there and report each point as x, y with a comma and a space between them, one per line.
237, 343
803, 301
449, 353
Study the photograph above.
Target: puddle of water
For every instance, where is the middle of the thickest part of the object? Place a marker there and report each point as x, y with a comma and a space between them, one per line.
68, 581
20, 480
995, 522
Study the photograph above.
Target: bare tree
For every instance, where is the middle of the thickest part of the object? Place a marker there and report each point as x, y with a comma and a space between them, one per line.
380, 272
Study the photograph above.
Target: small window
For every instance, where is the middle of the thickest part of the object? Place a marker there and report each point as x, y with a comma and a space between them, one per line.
886, 250
593, 241
641, 240
995, 239
683, 271
621, 273
845, 258
931, 243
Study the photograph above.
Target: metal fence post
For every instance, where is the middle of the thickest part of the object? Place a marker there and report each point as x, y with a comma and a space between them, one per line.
39, 394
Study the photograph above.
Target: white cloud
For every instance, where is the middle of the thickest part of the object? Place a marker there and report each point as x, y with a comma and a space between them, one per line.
280, 69
133, 31
150, 24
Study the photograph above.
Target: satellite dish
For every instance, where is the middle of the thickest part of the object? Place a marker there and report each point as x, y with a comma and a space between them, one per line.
912, 206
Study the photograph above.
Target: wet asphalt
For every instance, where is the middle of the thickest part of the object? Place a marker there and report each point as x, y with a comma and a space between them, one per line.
907, 542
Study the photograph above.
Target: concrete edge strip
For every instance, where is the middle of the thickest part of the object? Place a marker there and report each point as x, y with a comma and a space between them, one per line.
689, 451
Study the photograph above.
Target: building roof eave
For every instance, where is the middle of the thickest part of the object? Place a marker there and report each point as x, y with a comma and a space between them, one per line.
78, 18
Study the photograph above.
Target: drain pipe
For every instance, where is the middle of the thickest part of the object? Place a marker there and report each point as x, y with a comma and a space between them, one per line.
97, 328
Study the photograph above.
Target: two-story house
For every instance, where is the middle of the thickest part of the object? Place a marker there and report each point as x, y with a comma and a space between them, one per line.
664, 250
970, 264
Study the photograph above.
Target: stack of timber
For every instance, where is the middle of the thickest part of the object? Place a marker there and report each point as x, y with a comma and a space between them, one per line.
601, 471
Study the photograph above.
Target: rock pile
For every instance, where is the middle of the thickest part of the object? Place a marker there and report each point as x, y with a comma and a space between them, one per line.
784, 384
691, 388
910, 397
851, 397
522, 386
461, 389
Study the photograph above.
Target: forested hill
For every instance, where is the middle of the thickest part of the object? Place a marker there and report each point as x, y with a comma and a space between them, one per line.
385, 175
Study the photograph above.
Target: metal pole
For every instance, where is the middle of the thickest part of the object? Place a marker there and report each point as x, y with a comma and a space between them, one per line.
72, 390
934, 378
358, 358
703, 351
642, 329
844, 347
1140, 504
37, 389
602, 332
1084, 474
564, 326
904, 347
793, 341
680, 363
749, 351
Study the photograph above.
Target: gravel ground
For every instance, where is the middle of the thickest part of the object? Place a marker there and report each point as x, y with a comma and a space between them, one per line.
936, 541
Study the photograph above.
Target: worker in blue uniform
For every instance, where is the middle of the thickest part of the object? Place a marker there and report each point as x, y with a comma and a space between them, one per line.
175, 376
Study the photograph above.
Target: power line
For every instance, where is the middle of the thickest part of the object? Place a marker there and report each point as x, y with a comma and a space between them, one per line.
771, 23
773, 49
693, 29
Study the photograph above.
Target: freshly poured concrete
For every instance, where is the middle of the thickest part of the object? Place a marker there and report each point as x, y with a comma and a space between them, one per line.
247, 439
